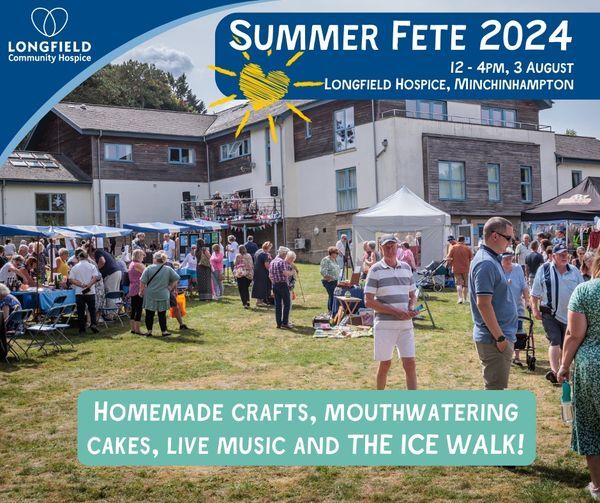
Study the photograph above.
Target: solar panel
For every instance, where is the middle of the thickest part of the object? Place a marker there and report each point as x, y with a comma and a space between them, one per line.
49, 164
35, 164
26, 155
41, 156
19, 164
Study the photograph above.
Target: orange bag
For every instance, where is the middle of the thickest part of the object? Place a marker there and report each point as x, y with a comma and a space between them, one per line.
181, 304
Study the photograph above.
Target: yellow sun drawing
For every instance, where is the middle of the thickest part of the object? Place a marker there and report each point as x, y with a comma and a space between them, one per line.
263, 90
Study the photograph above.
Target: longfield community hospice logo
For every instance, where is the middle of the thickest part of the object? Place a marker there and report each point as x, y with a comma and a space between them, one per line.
262, 89
49, 23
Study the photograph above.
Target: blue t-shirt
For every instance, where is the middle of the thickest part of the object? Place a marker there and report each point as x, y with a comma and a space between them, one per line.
516, 283
486, 277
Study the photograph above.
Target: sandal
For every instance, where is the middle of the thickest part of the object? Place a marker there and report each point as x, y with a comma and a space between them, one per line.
517, 362
147, 334
166, 334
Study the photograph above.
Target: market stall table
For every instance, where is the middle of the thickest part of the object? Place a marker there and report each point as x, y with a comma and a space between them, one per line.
348, 307
355, 291
45, 298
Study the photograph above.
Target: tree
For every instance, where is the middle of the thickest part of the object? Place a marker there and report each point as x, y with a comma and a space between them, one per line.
140, 85
571, 132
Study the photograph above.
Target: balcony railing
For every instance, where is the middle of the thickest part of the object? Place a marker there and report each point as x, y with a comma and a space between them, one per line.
233, 209
411, 114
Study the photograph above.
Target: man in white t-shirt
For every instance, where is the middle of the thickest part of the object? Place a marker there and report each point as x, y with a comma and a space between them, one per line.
169, 247
232, 250
522, 250
83, 277
9, 248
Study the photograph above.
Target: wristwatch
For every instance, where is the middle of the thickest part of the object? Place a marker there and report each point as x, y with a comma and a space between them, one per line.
501, 339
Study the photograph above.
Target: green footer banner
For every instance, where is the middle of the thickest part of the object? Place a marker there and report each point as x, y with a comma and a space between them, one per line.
299, 428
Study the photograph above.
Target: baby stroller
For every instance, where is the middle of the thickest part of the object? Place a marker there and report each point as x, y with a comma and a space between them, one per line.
525, 340
433, 276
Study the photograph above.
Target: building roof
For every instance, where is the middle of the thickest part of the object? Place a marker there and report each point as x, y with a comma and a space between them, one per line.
92, 119
578, 147
231, 117
41, 167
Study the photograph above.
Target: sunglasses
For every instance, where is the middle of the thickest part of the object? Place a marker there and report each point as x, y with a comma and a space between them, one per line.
508, 238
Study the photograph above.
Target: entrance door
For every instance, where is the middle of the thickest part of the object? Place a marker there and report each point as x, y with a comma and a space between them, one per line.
465, 230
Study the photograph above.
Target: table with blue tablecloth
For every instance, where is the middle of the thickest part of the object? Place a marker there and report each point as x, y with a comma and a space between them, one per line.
45, 298
355, 291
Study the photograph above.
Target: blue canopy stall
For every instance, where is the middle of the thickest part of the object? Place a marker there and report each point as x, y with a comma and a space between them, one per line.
159, 227
202, 225
99, 231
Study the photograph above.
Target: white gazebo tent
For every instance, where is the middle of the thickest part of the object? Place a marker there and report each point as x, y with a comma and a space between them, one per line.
404, 211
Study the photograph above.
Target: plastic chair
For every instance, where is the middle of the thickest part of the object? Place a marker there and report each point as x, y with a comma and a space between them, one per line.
15, 329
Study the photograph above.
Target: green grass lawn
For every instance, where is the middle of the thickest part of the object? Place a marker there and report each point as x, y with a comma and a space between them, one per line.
229, 347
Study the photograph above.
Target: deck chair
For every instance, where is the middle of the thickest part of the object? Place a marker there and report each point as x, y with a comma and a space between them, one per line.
15, 330
46, 330
118, 311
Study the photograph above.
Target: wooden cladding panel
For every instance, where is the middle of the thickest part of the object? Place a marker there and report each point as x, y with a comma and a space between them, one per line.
476, 154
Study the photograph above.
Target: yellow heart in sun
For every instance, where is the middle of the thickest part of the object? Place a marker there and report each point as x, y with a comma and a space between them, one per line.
260, 89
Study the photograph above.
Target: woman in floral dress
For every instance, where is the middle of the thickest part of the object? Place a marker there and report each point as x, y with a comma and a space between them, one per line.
582, 344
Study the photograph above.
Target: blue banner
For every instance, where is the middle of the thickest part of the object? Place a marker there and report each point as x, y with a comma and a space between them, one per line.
397, 55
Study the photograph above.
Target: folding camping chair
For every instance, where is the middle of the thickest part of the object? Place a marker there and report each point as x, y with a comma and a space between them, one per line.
118, 311
15, 329
45, 330
64, 321
183, 285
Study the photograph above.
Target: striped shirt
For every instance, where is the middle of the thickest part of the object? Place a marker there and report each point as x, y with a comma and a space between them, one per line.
391, 285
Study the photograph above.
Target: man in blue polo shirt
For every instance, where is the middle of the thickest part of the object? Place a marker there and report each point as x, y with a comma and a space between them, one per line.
494, 311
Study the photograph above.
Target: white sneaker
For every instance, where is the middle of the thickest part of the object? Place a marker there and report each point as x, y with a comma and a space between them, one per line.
594, 491
460, 301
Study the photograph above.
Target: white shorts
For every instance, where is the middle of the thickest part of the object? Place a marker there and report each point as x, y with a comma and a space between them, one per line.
386, 340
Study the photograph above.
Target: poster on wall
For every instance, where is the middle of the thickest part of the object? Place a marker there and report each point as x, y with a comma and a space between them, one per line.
400, 141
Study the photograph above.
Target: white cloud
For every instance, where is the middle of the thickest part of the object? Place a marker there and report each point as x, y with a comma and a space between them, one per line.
169, 60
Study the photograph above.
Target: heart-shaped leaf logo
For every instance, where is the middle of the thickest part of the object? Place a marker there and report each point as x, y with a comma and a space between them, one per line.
260, 89
49, 22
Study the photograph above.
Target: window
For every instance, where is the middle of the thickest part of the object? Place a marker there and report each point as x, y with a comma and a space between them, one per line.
576, 177
118, 152
235, 149
493, 171
113, 210
427, 109
308, 130
181, 155
50, 209
504, 117
345, 184
348, 233
452, 180
526, 192
268, 154
344, 134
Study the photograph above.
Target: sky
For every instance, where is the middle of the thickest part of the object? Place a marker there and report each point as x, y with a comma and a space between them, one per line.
190, 48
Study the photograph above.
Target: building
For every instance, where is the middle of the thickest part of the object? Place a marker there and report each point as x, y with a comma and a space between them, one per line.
577, 157
470, 159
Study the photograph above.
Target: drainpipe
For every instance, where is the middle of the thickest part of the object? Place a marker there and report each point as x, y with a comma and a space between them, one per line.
207, 167
558, 163
375, 156
100, 219
3, 201
284, 224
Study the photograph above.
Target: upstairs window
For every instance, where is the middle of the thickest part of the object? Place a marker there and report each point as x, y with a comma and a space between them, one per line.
118, 152
427, 109
503, 117
344, 134
268, 154
179, 155
308, 130
493, 171
576, 177
238, 148
452, 180
526, 184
